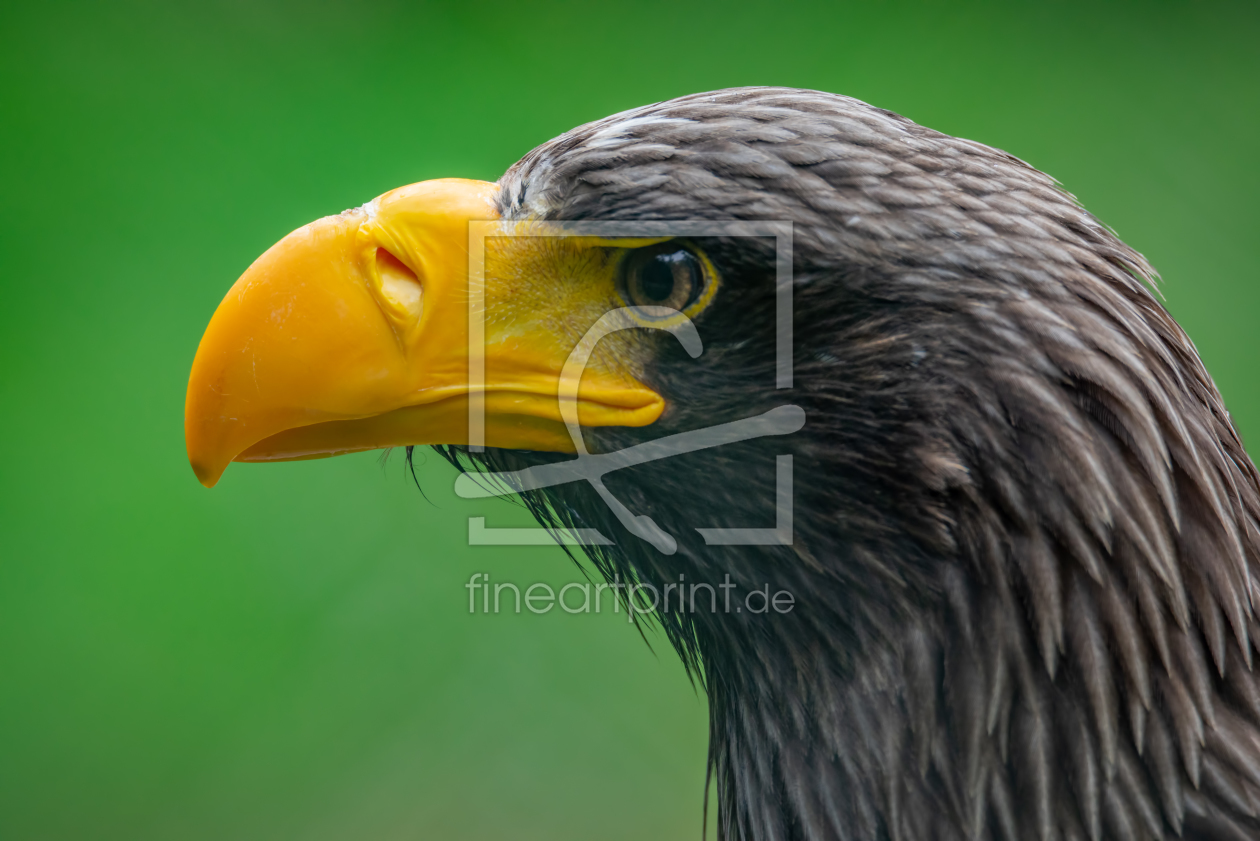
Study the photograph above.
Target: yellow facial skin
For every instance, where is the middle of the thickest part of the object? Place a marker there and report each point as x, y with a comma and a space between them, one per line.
352, 334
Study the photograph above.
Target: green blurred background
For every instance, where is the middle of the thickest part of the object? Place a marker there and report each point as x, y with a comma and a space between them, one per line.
290, 655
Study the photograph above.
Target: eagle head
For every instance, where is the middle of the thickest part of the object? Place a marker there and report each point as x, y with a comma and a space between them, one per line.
784, 341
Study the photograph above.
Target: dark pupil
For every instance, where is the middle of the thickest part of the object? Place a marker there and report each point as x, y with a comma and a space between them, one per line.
657, 280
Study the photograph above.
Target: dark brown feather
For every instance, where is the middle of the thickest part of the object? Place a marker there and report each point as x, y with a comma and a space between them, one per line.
1026, 538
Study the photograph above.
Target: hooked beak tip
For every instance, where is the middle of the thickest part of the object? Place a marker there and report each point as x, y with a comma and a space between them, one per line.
206, 475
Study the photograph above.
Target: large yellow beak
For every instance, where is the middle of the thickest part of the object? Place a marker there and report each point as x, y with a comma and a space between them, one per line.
352, 333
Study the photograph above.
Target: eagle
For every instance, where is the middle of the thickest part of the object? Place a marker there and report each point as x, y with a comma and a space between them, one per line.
1014, 523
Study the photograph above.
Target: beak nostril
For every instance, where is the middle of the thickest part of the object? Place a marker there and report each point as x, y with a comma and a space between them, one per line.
399, 284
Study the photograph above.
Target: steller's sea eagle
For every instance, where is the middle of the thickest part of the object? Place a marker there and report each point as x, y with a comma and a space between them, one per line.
1023, 525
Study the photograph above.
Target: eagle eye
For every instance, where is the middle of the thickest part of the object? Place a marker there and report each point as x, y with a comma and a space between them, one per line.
665, 275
